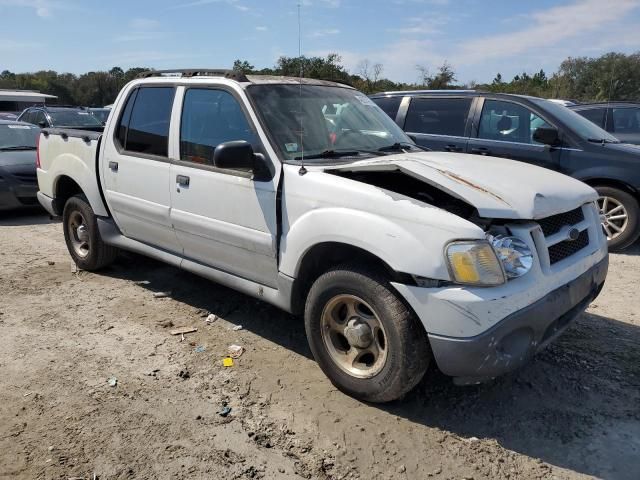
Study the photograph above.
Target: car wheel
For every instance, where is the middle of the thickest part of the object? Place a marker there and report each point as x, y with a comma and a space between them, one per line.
82, 236
619, 217
364, 338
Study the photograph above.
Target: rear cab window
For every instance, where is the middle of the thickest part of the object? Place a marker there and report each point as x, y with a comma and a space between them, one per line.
144, 124
438, 116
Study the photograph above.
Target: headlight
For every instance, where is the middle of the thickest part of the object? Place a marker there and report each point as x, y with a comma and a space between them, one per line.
474, 263
515, 255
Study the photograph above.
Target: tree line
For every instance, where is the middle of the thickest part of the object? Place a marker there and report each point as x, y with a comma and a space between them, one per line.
613, 76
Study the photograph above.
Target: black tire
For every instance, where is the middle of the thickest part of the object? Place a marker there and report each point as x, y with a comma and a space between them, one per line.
408, 353
98, 254
632, 230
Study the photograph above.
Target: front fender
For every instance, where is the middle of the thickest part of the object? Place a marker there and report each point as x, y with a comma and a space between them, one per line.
405, 246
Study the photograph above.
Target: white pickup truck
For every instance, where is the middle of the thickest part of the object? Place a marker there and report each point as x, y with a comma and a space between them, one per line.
305, 194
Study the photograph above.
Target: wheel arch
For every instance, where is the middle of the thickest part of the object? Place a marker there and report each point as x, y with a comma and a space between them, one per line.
321, 257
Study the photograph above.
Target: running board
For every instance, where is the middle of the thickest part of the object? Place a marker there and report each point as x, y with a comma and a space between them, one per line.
280, 297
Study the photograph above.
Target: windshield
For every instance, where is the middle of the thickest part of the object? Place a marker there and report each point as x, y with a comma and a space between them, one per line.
74, 118
583, 127
16, 135
323, 121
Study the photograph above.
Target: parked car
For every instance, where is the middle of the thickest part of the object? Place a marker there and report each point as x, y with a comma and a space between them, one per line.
100, 113
531, 130
61, 117
396, 256
621, 119
18, 181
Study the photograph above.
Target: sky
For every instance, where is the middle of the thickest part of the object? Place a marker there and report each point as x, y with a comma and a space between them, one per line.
479, 38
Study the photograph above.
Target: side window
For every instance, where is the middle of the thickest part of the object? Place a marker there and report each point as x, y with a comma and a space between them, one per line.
439, 116
509, 122
37, 117
123, 126
27, 117
209, 118
389, 105
626, 120
148, 130
594, 115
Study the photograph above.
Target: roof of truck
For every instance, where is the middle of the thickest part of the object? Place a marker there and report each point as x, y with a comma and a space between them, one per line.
181, 74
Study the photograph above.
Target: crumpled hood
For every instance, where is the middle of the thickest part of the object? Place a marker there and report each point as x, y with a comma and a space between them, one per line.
496, 187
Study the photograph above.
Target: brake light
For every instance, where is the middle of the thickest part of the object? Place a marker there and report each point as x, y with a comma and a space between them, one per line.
38, 151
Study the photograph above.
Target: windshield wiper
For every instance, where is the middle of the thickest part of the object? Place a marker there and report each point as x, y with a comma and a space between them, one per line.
399, 146
337, 153
18, 147
601, 140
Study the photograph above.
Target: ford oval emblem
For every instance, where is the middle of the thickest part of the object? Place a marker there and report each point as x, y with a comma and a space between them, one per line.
574, 233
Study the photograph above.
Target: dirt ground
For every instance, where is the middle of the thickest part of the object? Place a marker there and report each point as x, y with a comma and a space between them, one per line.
574, 412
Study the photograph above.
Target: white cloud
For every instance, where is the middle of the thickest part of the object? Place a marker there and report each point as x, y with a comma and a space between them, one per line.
42, 8
324, 32
140, 29
261, 28
546, 29
143, 24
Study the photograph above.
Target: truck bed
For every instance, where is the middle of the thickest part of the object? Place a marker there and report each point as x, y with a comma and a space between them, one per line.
70, 155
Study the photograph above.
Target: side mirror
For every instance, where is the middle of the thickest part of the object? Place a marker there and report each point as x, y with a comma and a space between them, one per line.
237, 155
546, 136
42, 124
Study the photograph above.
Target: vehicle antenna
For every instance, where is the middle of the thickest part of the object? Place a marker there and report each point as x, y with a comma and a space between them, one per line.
302, 170
606, 112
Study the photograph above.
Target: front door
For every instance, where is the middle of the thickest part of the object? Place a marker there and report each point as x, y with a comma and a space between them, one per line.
505, 129
136, 168
223, 218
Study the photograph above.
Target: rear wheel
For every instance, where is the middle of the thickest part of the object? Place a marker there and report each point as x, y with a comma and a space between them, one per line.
82, 236
368, 343
619, 213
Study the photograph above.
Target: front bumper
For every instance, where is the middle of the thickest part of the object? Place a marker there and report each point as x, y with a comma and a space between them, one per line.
514, 340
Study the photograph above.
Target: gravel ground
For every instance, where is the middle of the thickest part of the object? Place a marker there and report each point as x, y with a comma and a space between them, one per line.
574, 412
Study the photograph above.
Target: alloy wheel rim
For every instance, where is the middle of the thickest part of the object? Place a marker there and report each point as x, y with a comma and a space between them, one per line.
354, 336
613, 217
79, 234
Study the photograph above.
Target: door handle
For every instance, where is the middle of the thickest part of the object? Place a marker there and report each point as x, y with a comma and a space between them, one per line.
182, 180
113, 166
453, 148
481, 151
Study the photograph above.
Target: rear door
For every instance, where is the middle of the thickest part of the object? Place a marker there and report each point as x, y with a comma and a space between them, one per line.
504, 128
223, 218
135, 167
439, 123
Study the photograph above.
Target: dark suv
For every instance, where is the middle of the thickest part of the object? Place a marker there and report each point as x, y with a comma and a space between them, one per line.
621, 119
61, 117
531, 130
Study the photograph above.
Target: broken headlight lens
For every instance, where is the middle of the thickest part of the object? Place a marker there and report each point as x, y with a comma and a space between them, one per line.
474, 263
515, 255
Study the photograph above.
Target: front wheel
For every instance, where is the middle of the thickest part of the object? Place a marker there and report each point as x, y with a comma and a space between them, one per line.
82, 236
369, 344
619, 213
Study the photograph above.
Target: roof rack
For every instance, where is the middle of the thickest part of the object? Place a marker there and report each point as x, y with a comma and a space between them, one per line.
196, 72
